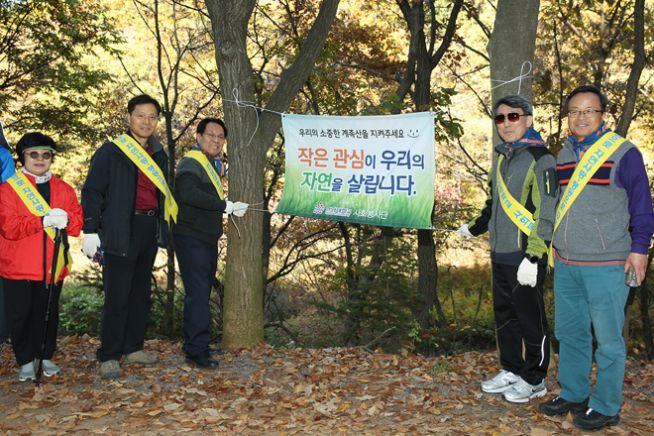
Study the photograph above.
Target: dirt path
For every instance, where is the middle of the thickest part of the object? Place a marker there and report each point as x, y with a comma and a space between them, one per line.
275, 391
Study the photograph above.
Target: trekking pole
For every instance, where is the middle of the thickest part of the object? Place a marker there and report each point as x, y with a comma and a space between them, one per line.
51, 288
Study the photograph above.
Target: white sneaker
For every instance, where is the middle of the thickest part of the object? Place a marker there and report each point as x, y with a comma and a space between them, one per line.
26, 372
522, 392
49, 367
500, 382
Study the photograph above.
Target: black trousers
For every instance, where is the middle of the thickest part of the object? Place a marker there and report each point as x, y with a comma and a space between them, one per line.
4, 323
520, 320
197, 264
26, 302
127, 290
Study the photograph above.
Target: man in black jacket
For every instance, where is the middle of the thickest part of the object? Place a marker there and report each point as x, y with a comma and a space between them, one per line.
123, 224
198, 188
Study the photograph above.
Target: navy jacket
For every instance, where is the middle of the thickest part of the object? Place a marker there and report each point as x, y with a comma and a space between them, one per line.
109, 195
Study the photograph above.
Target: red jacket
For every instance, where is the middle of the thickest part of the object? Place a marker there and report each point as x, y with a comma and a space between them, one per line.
21, 233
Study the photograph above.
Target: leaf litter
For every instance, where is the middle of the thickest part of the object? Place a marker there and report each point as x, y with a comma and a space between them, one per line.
265, 390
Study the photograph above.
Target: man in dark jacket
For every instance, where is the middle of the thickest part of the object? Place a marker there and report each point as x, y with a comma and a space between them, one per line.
124, 220
519, 215
198, 188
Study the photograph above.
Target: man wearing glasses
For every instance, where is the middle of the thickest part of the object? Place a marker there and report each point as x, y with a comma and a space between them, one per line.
603, 228
202, 203
519, 215
125, 218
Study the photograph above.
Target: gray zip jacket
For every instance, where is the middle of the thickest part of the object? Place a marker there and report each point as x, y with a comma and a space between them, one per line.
530, 177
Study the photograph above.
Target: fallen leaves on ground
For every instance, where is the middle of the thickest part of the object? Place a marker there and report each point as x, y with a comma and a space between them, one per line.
288, 391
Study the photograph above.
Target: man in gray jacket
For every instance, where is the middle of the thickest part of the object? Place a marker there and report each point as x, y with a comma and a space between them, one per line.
603, 228
519, 215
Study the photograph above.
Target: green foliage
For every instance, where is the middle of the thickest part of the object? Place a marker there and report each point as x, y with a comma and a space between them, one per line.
80, 310
158, 326
45, 81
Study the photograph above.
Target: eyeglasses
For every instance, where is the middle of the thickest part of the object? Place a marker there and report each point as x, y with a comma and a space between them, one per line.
574, 113
45, 155
142, 117
214, 137
513, 117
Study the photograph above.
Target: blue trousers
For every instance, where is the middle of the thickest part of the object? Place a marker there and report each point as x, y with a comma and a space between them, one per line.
584, 296
197, 265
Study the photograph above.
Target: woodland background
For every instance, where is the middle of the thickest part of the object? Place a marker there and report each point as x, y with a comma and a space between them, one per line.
68, 67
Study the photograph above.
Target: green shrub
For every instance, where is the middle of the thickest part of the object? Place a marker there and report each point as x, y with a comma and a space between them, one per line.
80, 310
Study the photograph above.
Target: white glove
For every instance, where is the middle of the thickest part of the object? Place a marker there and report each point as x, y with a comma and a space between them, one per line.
91, 244
240, 208
229, 208
57, 218
527, 273
464, 232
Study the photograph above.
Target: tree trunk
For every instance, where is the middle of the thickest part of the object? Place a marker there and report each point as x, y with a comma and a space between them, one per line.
625, 121
170, 262
243, 316
645, 297
512, 43
636, 69
421, 62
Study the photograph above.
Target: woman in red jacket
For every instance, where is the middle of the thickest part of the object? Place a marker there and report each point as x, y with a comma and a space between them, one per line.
34, 205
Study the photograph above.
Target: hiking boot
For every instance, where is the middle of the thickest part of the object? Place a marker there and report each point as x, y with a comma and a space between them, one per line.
109, 369
49, 367
522, 392
141, 357
500, 382
559, 406
26, 372
593, 420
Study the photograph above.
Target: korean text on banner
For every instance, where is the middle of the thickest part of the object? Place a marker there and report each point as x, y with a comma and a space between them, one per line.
376, 170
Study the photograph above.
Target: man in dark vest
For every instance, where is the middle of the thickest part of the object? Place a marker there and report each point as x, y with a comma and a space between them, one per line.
199, 191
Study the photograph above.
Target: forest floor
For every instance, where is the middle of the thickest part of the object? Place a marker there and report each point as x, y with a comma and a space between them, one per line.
288, 391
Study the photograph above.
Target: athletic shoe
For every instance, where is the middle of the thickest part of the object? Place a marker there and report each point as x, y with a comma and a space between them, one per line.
141, 357
559, 406
522, 392
500, 382
49, 367
109, 369
593, 420
26, 372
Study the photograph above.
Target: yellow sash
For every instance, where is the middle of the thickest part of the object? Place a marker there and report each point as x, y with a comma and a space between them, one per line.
37, 205
149, 167
209, 169
516, 212
592, 160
